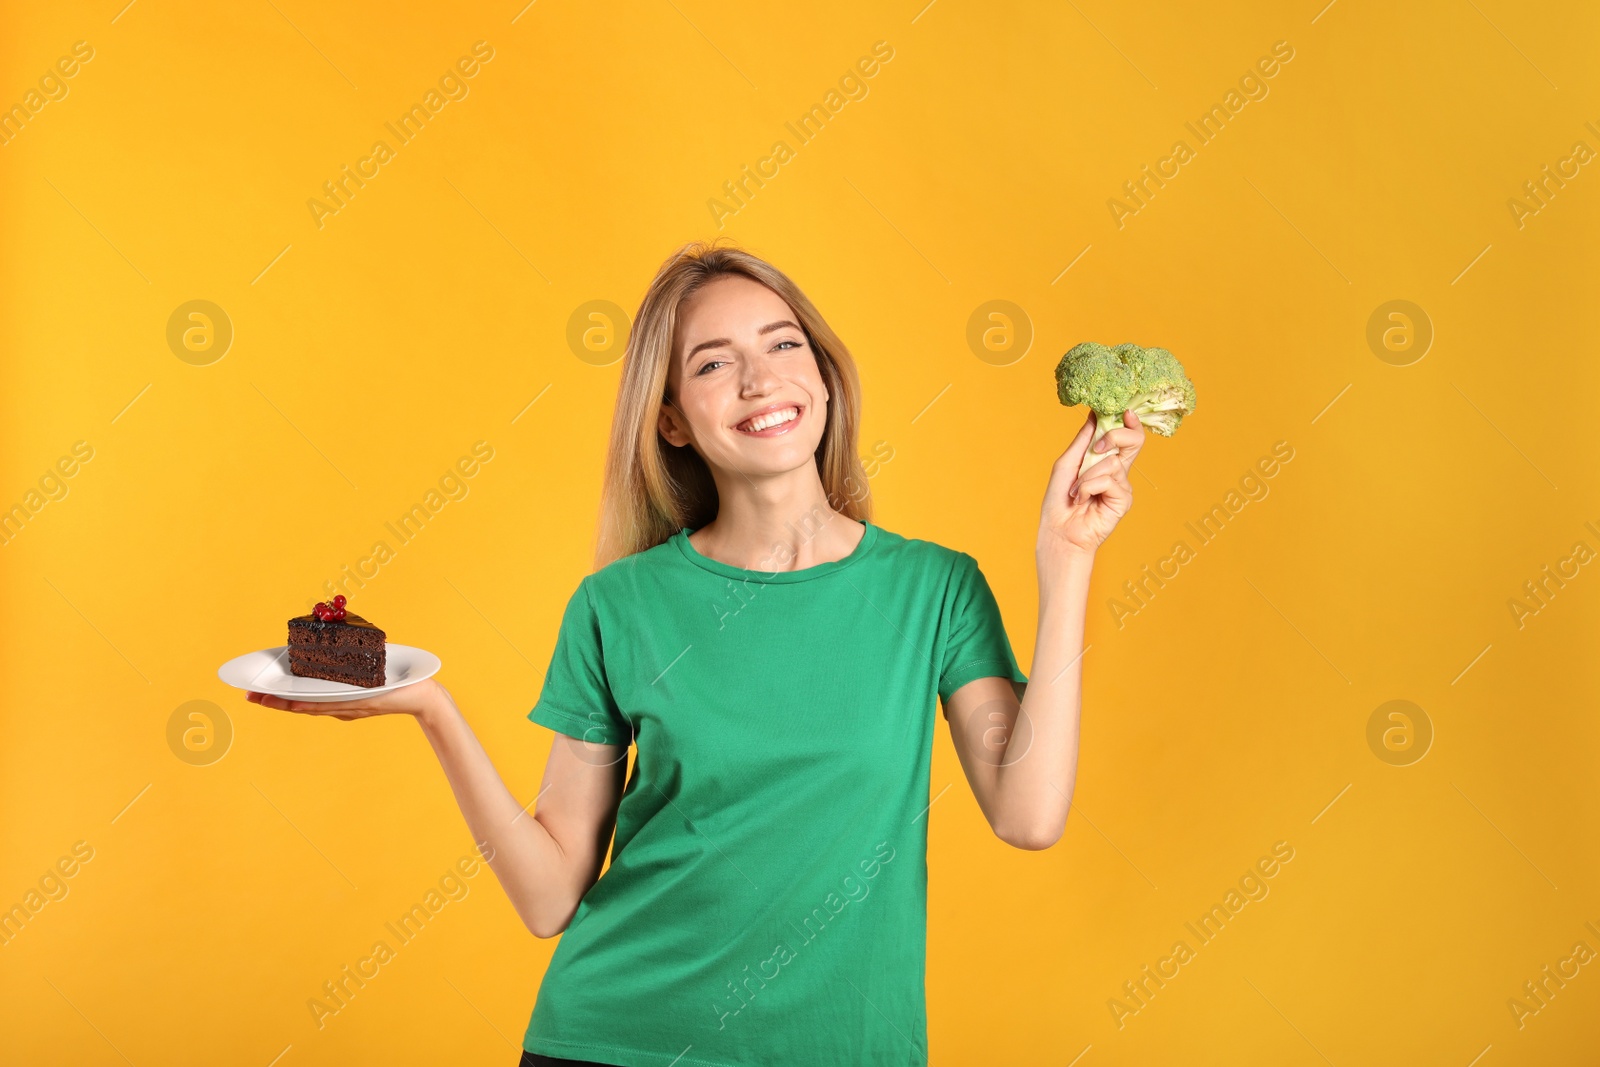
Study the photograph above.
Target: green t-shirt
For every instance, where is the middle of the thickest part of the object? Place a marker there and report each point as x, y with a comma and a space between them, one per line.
766, 900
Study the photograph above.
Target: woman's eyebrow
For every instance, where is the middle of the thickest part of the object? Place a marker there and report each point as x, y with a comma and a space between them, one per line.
717, 342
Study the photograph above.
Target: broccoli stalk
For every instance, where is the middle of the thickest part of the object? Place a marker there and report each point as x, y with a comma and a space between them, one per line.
1150, 382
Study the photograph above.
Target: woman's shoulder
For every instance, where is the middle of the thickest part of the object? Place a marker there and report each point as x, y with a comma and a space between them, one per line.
930, 554
627, 571
918, 544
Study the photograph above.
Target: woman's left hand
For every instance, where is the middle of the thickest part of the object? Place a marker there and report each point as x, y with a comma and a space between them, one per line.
1079, 514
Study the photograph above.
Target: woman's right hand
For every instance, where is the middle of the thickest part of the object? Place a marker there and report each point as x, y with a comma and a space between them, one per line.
420, 700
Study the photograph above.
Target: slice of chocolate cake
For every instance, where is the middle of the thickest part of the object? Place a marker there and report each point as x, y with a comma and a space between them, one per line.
337, 648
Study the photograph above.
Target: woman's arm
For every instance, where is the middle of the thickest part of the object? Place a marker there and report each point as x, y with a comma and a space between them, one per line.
545, 860
1021, 758
1020, 750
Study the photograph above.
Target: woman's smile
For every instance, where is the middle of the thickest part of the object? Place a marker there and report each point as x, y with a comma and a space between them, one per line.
771, 421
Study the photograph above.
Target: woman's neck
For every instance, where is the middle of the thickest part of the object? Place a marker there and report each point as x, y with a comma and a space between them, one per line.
791, 532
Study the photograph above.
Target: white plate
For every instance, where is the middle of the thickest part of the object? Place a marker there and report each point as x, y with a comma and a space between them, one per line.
267, 671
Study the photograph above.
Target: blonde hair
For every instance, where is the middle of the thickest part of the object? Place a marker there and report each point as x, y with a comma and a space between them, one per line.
653, 489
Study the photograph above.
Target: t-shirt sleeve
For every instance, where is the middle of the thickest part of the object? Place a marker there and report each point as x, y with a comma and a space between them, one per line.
977, 646
576, 697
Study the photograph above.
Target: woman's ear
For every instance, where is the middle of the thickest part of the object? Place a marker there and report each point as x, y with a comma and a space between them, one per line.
667, 425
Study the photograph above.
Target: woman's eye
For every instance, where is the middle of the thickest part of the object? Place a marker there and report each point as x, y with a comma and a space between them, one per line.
708, 364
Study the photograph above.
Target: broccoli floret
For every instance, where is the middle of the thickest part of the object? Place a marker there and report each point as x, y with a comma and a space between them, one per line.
1110, 380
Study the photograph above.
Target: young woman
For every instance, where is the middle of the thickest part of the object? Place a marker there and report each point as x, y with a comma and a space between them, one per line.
773, 658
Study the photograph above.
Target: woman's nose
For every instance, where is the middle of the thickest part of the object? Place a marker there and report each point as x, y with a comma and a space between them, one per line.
756, 375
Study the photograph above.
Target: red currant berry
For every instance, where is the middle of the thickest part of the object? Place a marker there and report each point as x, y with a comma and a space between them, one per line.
339, 614
339, 601
320, 608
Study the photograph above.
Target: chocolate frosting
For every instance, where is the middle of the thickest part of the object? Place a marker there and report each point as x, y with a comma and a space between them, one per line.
314, 623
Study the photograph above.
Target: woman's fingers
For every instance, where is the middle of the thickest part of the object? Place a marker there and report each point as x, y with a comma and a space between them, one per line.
1113, 488
1104, 466
1108, 475
1121, 437
1096, 486
1129, 435
1065, 470
1120, 446
1074, 455
309, 707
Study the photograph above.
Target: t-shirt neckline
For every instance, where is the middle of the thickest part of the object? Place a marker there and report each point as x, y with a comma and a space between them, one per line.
868, 538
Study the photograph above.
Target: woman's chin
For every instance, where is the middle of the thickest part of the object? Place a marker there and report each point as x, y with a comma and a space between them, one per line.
767, 459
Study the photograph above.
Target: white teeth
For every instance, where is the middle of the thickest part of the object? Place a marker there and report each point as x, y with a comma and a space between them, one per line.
770, 419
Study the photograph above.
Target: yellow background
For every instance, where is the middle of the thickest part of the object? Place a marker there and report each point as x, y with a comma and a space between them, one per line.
1227, 715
